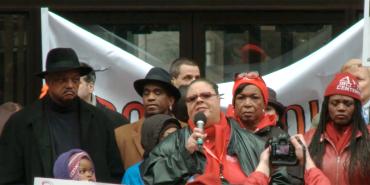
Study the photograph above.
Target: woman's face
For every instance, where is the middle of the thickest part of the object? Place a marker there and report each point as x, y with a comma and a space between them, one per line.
249, 105
341, 109
201, 97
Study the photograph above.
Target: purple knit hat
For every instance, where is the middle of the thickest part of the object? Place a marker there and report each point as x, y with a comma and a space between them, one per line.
61, 169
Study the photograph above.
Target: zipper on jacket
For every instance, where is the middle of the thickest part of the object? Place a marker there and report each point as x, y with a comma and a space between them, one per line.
338, 158
337, 174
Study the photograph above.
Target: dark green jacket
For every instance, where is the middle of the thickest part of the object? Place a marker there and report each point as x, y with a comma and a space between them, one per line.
171, 163
26, 152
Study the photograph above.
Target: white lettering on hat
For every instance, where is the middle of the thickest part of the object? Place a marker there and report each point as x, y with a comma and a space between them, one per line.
346, 84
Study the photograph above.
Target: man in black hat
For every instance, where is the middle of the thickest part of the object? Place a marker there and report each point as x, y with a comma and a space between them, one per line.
158, 95
35, 136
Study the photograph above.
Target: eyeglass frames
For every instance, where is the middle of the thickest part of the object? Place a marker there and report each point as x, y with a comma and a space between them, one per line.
203, 95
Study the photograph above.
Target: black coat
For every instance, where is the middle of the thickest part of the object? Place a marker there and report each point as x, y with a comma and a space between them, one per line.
26, 152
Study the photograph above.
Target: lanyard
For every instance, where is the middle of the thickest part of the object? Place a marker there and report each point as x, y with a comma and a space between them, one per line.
218, 159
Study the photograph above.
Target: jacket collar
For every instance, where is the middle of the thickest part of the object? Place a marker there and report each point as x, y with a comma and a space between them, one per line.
325, 136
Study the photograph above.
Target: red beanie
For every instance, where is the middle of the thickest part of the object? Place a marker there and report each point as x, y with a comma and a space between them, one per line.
344, 84
257, 81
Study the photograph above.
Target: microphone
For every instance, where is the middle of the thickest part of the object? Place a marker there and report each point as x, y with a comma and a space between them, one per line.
200, 119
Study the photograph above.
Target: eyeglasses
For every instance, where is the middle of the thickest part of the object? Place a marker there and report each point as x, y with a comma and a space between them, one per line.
250, 75
203, 95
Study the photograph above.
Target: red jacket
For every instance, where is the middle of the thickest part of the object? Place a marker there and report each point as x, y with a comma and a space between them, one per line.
334, 161
315, 176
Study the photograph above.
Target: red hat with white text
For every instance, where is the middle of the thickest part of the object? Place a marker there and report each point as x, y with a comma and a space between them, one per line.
344, 84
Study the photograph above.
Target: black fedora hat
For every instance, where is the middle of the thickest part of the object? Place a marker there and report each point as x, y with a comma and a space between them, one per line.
280, 108
63, 59
160, 76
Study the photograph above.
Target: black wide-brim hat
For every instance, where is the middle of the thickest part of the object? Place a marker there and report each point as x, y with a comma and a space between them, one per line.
63, 59
160, 76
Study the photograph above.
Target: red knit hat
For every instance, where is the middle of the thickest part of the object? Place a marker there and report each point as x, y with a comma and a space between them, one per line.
254, 80
344, 84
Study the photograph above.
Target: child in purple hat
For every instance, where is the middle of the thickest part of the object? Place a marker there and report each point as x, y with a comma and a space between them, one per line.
75, 164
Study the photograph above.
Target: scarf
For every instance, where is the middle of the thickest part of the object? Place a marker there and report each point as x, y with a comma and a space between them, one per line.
217, 155
266, 121
340, 139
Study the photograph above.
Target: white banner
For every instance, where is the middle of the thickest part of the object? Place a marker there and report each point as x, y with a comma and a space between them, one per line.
114, 84
299, 86
49, 181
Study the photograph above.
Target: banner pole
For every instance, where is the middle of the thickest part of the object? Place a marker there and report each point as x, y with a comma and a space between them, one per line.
44, 34
366, 36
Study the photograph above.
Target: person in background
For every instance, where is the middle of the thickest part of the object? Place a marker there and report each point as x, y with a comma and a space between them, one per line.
6, 110
183, 71
228, 153
340, 145
85, 92
252, 53
154, 130
44, 91
158, 95
36, 135
362, 74
180, 110
250, 101
74, 164
276, 108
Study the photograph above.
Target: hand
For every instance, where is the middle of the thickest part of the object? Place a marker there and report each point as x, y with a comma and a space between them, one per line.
264, 164
299, 151
191, 144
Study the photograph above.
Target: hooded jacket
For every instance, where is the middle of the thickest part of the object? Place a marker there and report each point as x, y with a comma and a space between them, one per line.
153, 128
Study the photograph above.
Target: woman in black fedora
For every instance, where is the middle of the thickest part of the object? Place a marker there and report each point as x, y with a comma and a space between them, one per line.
36, 135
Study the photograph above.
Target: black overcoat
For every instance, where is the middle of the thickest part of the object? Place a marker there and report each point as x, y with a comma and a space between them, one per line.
26, 150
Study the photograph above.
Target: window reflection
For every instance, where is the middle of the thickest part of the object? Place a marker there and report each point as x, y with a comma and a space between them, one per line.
265, 48
155, 44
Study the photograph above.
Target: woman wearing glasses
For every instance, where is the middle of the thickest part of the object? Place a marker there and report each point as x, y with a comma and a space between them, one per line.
228, 155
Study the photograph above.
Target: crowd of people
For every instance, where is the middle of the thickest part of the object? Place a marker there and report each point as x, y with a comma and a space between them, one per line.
69, 133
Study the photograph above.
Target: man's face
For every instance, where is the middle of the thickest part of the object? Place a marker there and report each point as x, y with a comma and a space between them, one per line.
156, 100
201, 97
188, 73
85, 90
363, 78
362, 75
63, 86
341, 109
249, 105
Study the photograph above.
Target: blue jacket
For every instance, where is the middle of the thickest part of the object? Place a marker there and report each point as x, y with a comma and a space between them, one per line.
132, 175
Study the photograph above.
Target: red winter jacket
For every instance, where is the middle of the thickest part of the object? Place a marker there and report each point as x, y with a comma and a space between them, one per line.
315, 176
334, 161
